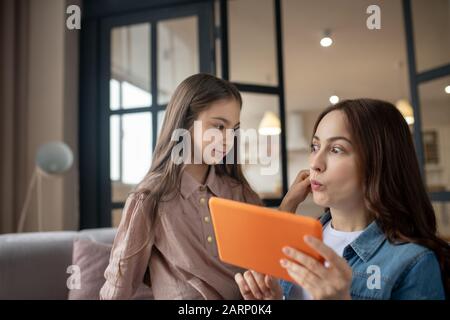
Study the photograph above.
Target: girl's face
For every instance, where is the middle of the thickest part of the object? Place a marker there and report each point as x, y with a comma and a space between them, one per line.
335, 181
218, 123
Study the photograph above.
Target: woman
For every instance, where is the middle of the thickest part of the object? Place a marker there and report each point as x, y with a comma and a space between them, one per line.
165, 234
379, 228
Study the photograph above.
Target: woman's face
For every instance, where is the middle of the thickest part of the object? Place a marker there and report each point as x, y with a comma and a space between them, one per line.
218, 123
335, 181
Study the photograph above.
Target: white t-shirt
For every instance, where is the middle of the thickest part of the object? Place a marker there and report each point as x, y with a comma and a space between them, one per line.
336, 240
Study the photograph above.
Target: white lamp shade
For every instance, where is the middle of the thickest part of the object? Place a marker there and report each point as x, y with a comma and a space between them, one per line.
270, 124
406, 110
54, 158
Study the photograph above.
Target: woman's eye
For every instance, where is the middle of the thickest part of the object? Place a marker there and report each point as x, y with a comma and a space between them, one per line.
336, 150
220, 127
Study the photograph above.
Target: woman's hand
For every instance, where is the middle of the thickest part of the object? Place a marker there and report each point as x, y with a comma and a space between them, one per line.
257, 286
322, 282
297, 192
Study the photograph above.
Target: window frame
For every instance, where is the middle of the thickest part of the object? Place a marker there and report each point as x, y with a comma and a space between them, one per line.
277, 90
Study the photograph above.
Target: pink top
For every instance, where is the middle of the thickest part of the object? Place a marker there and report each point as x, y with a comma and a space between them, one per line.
182, 257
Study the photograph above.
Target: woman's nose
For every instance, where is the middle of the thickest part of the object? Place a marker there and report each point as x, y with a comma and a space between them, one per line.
317, 163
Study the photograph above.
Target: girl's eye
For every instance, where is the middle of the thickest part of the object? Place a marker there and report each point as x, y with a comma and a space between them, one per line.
220, 127
314, 147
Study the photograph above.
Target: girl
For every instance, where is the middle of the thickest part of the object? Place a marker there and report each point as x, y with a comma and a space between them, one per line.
379, 234
166, 233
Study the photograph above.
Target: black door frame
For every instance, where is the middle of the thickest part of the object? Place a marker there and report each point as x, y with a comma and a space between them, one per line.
415, 79
95, 184
256, 88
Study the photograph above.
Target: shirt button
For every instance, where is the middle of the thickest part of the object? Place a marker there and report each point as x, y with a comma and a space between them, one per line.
202, 200
209, 239
206, 219
202, 188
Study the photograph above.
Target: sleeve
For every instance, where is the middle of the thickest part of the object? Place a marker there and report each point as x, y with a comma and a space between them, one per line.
130, 252
286, 287
422, 280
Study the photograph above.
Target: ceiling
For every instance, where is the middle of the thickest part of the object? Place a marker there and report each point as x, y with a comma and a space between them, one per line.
360, 63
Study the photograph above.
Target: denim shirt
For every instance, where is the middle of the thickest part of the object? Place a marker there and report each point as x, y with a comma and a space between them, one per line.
382, 270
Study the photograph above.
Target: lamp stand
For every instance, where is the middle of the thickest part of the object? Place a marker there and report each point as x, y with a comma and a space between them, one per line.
36, 179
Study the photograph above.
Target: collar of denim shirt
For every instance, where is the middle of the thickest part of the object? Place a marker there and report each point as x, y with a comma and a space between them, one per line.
367, 243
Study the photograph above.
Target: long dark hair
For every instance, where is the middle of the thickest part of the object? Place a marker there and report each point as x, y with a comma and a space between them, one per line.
192, 96
394, 191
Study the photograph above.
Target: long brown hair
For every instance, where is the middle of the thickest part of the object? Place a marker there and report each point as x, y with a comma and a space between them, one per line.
394, 191
192, 96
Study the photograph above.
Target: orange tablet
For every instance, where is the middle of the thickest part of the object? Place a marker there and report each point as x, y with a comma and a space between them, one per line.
252, 237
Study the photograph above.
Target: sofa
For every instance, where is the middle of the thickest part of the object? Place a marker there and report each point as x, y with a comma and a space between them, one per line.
35, 265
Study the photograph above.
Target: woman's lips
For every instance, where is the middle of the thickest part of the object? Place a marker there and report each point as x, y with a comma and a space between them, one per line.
316, 185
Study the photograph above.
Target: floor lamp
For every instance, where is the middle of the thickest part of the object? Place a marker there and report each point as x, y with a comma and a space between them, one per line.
52, 159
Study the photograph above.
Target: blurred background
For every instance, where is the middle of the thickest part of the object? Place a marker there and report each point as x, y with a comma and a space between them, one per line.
103, 89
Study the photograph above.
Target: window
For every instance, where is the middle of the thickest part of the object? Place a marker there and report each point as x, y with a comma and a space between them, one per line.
131, 65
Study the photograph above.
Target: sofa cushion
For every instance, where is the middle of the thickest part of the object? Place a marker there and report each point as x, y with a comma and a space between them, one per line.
103, 235
91, 259
33, 265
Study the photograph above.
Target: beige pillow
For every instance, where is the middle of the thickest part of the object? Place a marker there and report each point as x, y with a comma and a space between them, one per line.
92, 258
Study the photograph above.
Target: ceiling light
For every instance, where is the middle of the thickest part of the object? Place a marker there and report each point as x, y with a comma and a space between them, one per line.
326, 40
334, 99
447, 89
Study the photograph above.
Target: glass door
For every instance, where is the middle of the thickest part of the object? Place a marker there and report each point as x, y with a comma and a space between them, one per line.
427, 26
144, 57
256, 68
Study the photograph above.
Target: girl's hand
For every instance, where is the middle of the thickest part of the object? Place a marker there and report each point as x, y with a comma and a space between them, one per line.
322, 282
257, 286
297, 192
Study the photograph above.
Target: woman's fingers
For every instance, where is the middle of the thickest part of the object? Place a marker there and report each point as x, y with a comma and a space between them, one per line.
253, 285
308, 262
243, 287
321, 282
300, 274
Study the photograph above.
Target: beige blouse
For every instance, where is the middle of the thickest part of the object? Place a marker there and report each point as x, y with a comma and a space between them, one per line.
182, 257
